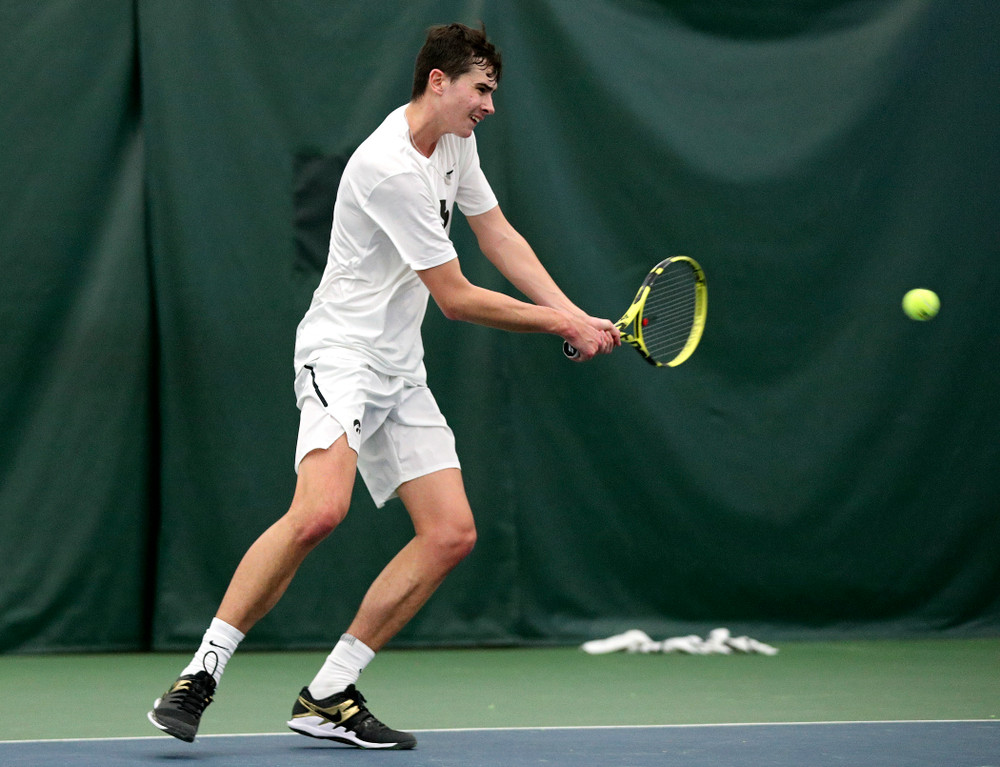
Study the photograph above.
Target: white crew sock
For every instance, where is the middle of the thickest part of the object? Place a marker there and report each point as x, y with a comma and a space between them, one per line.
341, 668
217, 647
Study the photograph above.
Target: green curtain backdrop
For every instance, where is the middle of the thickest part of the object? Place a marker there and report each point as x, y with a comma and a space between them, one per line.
822, 466
77, 434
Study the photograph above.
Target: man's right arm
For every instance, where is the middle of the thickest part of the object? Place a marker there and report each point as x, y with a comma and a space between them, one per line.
460, 300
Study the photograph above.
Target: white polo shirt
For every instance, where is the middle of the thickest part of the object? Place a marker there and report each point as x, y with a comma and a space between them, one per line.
392, 218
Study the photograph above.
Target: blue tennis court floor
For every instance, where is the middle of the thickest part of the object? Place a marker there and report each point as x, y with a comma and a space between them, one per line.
835, 744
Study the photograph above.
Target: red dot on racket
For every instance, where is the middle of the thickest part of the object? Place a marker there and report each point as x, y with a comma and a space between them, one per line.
645, 321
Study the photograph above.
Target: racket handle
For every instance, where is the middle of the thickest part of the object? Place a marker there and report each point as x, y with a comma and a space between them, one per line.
570, 351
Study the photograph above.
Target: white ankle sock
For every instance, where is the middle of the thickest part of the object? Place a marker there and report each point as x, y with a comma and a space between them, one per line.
341, 668
217, 647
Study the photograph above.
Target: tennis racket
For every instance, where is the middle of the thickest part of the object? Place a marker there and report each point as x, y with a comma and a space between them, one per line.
667, 315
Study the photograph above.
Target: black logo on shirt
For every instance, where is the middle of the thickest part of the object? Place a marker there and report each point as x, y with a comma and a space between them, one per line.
444, 213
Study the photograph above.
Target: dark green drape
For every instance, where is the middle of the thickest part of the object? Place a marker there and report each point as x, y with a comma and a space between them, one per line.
821, 466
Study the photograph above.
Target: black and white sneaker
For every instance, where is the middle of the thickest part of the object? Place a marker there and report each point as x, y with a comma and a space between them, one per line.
178, 712
343, 717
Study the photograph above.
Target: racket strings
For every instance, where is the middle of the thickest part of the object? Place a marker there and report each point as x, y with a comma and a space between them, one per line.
668, 315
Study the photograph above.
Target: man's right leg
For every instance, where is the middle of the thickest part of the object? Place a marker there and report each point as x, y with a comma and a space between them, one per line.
322, 498
444, 534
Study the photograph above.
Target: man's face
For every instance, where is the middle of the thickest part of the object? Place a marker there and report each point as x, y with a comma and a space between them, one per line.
467, 100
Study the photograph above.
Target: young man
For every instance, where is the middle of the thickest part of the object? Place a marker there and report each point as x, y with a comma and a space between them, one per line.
361, 384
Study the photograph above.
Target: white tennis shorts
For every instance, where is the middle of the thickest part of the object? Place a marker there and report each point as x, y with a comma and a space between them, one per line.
395, 427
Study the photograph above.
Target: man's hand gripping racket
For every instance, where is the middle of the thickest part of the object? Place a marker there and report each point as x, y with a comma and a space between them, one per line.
667, 315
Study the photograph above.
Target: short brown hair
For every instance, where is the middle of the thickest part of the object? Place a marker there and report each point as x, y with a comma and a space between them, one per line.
455, 49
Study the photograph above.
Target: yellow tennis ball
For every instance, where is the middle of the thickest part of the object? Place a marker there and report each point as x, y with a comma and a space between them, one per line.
921, 304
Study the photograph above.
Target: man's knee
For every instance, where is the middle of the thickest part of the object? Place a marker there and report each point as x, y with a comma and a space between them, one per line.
322, 494
312, 525
455, 540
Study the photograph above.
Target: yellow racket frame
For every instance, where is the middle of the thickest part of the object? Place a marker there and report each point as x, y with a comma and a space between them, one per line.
634, 314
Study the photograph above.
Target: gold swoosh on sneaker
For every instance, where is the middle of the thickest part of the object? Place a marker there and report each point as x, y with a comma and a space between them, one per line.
335, 714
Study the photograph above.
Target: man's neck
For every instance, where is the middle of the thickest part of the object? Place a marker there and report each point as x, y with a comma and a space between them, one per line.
423, 134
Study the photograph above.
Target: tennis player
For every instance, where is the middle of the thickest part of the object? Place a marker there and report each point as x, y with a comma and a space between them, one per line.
361, 384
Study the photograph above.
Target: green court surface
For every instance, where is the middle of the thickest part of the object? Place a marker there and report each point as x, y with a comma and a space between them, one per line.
80, 696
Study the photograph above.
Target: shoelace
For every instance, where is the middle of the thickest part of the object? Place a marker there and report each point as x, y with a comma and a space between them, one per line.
356, 696
195, 696
363, 714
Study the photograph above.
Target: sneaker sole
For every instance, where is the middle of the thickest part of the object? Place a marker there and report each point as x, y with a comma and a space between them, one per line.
185, 735
316, 727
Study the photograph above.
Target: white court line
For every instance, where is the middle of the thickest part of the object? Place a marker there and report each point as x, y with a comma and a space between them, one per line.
525, 729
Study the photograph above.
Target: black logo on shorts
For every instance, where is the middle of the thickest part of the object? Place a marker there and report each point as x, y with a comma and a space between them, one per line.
357, 426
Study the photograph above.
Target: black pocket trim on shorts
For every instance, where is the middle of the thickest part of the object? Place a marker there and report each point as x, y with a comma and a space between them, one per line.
319, 394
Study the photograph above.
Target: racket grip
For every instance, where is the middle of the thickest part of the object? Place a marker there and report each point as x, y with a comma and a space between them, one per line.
570, 351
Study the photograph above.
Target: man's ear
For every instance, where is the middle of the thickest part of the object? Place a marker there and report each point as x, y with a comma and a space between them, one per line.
436, 81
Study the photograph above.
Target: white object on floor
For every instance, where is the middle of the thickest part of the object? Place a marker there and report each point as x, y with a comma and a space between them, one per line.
718, 642
631, 641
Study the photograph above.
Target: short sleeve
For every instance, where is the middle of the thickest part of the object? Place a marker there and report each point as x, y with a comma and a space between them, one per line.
404, 209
